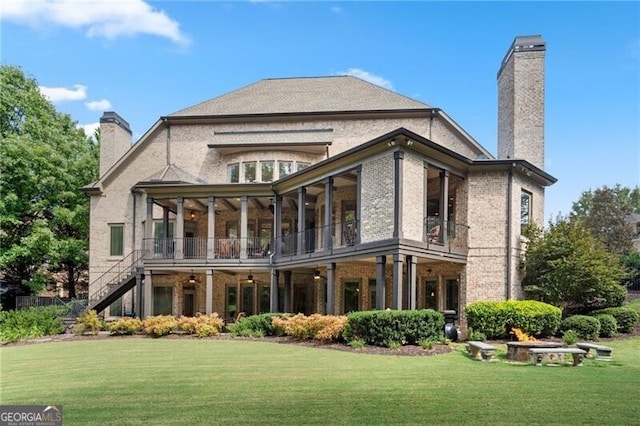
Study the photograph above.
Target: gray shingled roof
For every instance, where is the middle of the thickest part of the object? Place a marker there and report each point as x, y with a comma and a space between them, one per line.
173, 173
307, 94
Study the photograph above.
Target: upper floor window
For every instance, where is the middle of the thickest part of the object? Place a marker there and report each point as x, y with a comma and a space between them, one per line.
285, 168
250, 171
302, 165
233, 170
266, 169
525, 209
116, 239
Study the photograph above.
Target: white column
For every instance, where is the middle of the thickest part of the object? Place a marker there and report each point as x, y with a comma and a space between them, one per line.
148, 294
148, 229
211, 230
209, 292
179, 254
244, 226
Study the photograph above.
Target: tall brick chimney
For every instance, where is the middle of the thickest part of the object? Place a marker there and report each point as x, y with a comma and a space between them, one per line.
115, 139
521, 101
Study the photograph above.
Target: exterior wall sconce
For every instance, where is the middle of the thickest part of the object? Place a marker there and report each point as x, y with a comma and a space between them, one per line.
193, 215
250, 278
192, 278
316, 275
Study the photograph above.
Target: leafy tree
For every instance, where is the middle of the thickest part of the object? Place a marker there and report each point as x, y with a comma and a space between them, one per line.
567, 267
44, 161
627, 198
606, 220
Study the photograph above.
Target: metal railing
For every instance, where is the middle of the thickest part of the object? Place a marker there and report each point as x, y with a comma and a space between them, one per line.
74, 306
455, 236
115, 275
207, 248
342, 234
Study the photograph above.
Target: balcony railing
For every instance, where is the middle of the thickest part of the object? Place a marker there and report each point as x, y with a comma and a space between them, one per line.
455, 236
207, 248
342, 234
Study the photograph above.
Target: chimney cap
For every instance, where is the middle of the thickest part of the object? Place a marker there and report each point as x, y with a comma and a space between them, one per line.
526, 43
113, 117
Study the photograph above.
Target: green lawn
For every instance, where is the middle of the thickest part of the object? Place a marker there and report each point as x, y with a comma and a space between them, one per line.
172, 381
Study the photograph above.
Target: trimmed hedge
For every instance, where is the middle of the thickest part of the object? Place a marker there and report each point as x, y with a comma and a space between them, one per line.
585, 326
496, 319
627, 318
382, 328
608, 325
255, 325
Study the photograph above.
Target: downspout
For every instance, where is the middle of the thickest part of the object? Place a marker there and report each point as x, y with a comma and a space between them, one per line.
509, 223
133, 228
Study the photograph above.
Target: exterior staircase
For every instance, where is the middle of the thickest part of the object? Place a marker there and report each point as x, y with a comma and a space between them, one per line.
114, 283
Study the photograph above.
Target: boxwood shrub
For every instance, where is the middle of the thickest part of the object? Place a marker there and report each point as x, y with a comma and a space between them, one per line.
585, 326
381, 328
608, 325
496, 318
255, 325
626, 318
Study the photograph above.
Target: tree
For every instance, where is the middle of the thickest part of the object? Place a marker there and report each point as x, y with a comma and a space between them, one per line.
567, 267
606, 220
627, 198
44, 161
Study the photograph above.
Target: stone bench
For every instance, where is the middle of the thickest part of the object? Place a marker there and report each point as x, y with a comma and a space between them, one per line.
603, 353
481, 351
536, 354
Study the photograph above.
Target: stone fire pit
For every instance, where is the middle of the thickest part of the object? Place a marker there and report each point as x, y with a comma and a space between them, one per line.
519, 351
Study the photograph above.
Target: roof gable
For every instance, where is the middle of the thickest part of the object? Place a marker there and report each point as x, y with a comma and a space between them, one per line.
304, 95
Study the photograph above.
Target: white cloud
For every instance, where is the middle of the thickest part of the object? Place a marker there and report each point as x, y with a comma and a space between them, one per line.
101, 105
61, 94
89, 129
367, 76
105, 18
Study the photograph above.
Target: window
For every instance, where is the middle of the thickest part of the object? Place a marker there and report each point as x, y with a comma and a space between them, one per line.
302, 165
372, 293
266, 169
285, 168
351, 296
115, 310
250, 171
163, 300
525, 210
431, 294
162, 245
232, 301
233, 171
116, 242
451, 289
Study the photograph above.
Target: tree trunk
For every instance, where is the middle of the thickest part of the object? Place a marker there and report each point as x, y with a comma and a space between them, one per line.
71, 281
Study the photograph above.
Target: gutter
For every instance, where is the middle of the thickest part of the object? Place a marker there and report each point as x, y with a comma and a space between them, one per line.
509, 223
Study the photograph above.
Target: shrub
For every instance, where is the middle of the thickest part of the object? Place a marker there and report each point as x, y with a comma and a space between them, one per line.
316, 326
475, 335
357, 343
159, 325
201, 325
378, 328
496, 319
522, 336
255, 326
427, 344
88, 321
608, 325
584, 326
626, 318
31, 323
569, 337
125, 326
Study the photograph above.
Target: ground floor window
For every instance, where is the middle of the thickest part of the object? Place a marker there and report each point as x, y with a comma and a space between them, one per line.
163, 300
452, 293
431, 294
372, 293
351, 299
115, 310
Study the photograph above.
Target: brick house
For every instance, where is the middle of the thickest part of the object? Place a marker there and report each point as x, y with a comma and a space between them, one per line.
324, 194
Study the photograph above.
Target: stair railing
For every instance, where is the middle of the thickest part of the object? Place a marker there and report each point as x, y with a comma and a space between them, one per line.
125, 267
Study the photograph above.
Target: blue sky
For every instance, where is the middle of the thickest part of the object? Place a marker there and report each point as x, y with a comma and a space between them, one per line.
148, 59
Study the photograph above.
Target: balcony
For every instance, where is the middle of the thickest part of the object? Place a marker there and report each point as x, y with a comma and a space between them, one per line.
453, 240
207, 248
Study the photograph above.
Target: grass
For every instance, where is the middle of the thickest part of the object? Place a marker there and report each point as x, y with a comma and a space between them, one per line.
122, 381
